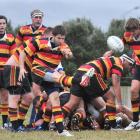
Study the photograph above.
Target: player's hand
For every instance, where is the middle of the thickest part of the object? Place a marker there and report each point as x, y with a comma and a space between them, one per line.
67, 53
108, 53
22, 74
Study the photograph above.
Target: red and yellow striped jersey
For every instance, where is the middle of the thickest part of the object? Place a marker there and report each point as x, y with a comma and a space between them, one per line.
26, 33
7, 48
105, 66
28, 59
45, 53
128, 39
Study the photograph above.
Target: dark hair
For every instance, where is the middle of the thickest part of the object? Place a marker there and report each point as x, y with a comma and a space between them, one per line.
48, 30
3, 17
132, 24
58, 30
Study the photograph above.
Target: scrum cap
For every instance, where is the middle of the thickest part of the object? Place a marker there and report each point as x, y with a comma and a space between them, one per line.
127, 58
36, 12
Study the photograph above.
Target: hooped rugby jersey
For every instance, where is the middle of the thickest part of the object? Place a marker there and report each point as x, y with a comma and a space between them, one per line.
134, 44
105, 66
7, 47
26, 33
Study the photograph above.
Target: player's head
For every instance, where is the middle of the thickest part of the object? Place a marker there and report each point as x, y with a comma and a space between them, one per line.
48, 32
132, 24
3, 24
59, 34
37, 16
4, 17
36, 12
127, 61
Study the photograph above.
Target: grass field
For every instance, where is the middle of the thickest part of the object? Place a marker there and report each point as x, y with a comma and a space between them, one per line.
83, 135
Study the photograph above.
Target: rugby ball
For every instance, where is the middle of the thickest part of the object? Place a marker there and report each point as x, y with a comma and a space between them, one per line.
115, 43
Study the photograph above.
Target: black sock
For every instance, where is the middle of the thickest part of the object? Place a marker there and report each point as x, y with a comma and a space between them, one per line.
4, 119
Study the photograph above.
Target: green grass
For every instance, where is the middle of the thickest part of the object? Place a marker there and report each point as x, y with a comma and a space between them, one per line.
83, 135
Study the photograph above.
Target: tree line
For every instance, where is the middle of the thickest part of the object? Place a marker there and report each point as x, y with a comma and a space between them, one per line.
88, 41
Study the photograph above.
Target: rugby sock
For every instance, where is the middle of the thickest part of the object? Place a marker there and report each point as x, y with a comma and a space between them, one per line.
47, 119
4, 113
111, 113
66, 80
58, 117
13, 115
23, 109
135, 109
